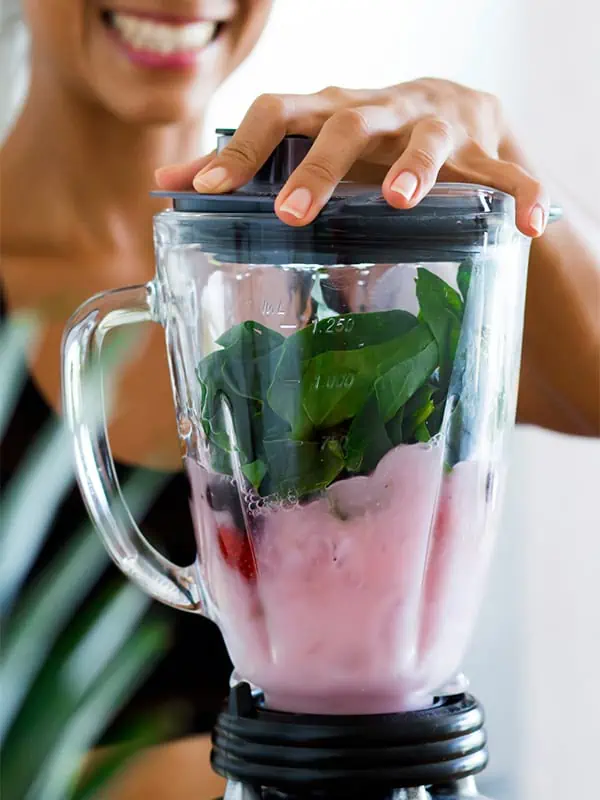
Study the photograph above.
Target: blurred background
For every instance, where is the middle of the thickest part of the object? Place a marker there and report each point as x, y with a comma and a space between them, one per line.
536, 654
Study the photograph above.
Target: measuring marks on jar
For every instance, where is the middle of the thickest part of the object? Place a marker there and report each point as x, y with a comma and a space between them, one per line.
277, 309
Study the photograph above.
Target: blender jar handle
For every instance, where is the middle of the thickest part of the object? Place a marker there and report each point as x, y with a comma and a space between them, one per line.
81, 371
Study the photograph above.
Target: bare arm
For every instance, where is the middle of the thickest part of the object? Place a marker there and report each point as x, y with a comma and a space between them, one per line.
560, 374
560, 371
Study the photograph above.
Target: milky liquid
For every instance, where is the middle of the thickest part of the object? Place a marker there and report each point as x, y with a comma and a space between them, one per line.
364, 599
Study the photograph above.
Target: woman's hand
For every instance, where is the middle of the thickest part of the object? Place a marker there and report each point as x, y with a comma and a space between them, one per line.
406, 137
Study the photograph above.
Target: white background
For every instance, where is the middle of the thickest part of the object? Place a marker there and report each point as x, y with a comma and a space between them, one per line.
536, 655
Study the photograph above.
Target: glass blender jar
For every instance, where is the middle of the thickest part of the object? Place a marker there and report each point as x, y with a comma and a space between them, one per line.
343, 394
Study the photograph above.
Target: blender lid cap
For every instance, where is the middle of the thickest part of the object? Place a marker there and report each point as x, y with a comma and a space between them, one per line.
258, 195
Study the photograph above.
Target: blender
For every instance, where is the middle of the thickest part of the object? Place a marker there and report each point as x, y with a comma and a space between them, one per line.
343, 394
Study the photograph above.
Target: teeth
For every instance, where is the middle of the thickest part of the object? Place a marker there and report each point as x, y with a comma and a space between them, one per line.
145, 34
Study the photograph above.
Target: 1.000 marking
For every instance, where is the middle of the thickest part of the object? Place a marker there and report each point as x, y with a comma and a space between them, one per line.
336, 325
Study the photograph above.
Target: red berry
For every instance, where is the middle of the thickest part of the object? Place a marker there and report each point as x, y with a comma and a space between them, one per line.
237, 551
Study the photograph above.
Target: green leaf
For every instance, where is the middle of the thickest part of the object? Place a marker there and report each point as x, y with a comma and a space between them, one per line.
296, 397
422, 433
92, 645
42, 614
336, 384
402, 380
394, 428
16, 336
249, 359
45, 607
333, 385
303, 467
29, 504
441, 308
463, 277
368, 440
255, 472
117, 680
251, 338
418, 410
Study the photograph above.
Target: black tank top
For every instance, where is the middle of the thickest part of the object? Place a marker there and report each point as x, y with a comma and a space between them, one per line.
193, 676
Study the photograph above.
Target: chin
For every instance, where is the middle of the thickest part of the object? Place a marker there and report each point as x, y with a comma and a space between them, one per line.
158, 108
159, 71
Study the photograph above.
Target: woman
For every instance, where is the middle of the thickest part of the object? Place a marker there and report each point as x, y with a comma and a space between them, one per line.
115, 95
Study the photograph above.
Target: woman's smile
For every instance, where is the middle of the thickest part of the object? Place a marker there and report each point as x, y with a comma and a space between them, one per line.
160, 40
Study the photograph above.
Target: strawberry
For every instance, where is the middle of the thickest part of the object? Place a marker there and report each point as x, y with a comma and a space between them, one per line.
237, 551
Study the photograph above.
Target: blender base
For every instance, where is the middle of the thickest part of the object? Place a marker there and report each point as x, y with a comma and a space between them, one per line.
271, 755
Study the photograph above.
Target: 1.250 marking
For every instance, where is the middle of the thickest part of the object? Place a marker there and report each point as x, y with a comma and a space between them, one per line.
336, 325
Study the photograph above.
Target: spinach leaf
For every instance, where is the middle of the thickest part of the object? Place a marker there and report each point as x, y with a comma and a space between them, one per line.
303, 467
249, 358
441, 307
255, 472
417, 411
463, 277
394, 428
252, 338
368, 440
322, 375
334, 397
402, 380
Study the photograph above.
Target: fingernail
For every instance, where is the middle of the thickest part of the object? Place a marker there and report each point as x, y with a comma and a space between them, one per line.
298, 203
405, 184
537, 220
215, 178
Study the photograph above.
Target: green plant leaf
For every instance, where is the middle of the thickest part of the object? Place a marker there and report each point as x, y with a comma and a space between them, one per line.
117, 680
335, 386
331, 337
255, 472
92, 645
417, 411
249, 359
395, 428
303, 467
463, 277
402, 380
422, 433
46, 606
41, 615
29, 503
441, 308
368, 440
250, 339
16, 335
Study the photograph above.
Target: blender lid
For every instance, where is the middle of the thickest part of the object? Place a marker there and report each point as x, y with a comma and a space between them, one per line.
445, 200
454, 221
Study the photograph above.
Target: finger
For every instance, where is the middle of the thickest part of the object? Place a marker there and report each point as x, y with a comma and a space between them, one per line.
268, 120
179, 177
342, 140
259, 133
431, 143
532, 201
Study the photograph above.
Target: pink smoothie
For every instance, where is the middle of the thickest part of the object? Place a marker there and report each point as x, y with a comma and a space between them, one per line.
360, 601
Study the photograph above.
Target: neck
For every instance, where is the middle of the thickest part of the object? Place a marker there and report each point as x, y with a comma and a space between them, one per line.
92, 171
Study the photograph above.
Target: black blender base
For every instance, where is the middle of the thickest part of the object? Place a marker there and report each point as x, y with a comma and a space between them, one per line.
270, 755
